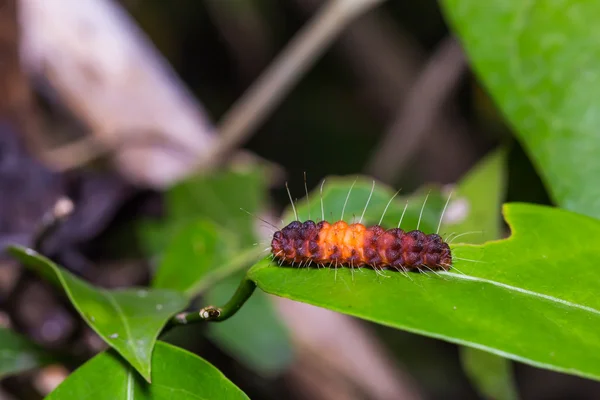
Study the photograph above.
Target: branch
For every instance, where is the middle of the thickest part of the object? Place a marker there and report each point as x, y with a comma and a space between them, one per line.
284, 72
216, 314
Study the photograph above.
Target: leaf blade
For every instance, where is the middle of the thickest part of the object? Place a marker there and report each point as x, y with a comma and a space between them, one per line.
536, 62
17, 354
544, 322
483, 189
129, 320
174, 371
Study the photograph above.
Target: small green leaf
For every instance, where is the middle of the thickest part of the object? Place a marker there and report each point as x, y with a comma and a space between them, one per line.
531, 297
195, 251
220, 197
491, 374
17, 354
176, 374
270, 350
480, 196
129, 320
539, 60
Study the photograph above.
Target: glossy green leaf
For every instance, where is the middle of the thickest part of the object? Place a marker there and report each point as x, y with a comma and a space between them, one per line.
478, 201
531, 297
176, 374
129, 320
539, 60
17, 354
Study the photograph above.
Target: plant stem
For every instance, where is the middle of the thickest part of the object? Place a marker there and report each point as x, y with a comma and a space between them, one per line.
216, 314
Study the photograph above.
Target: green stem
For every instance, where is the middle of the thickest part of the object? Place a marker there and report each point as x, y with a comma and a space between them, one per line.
216, 314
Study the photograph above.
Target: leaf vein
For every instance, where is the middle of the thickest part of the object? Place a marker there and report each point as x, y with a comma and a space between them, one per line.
523, 291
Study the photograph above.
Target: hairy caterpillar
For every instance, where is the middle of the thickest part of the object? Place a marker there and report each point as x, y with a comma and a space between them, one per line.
354, 245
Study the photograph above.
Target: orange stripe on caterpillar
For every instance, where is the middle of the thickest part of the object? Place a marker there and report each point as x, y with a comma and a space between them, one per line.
355, 245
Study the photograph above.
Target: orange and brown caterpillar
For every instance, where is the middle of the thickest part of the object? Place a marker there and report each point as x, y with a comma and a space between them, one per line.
355, 245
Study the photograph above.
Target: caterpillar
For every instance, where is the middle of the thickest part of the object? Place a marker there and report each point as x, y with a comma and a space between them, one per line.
354, 245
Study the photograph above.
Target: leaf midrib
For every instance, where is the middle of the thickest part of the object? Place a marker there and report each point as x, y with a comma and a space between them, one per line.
512, 288
523, 291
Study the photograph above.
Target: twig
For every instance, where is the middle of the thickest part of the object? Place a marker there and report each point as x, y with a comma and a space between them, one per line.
384, 58
439, 78
288, 67
216, 314
89, 148
52, 221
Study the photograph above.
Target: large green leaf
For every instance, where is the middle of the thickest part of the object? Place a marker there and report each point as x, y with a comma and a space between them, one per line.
129, 320
17, 354
531, 297
176, 374
479, 195
541, 63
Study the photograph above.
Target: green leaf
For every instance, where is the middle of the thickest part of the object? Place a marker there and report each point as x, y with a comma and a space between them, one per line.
531, 297
129, 320
215, 246
176, 374
197, 250
477, 202
17, 354
491, 374
270, 350
219, 197
480, 193
539, 60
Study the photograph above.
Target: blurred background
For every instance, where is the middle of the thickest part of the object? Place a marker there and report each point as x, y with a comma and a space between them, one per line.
111, 103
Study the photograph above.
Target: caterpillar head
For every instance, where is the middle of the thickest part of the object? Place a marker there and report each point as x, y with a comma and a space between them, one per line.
277, 243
